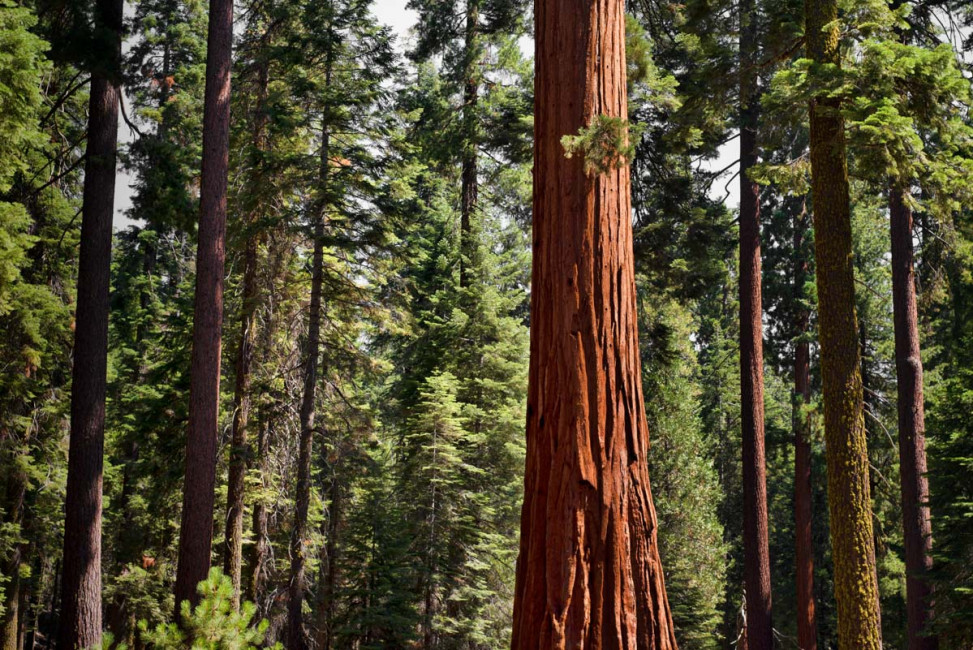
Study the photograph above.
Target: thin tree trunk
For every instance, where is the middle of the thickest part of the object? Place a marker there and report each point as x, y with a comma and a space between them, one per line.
295, 618
468, 193
196, 531
589, 573
240, 450
261, 546
912, 427
329, 567
804, 544
756, 548
80, 620
849, 493
15, 493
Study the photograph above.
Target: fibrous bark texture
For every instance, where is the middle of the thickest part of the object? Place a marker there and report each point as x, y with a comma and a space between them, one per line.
589, 574
803, 541
849, 494
80, 620
196, 531
912, 427
756, 548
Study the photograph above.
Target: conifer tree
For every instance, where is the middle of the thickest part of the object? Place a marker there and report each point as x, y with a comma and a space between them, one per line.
759, 630
196, 530
585, 410
849, 493
80, 624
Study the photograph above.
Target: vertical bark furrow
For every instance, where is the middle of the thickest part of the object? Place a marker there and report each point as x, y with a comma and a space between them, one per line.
589, 573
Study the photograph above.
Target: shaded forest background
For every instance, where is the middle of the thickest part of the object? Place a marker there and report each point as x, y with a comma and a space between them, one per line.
409, 166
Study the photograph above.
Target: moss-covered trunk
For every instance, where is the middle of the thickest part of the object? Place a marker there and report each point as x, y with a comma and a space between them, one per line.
849, 494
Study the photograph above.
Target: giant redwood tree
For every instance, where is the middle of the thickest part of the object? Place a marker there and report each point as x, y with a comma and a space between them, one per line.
756, 547
196, 532
589, 573
849, 493
80, 621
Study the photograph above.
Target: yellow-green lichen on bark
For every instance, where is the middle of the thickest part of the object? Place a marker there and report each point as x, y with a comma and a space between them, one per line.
849, 498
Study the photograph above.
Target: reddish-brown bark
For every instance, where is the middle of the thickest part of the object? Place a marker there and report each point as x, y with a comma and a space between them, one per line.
80, 620
196, 531
912, 427
589, 574
756, 548
804, 544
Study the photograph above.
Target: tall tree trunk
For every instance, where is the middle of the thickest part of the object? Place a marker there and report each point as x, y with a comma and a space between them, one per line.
849, 494
589, 573
469, 234
196, 531
912, 427
240, 449
295, 617
80, 620
756, 548
804, 543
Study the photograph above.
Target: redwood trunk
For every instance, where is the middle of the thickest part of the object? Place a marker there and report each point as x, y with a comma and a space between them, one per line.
849, 493
240, 450
295, 617
80, 619
756, 549
804, 544
196, 532
589, 574
912, 427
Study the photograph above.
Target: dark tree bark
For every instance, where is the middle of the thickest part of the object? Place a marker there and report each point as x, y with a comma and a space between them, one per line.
80, 620
468, 192
912, 427
297, 640
849, 493
196, 531
589, 573
804, 543
756, 548
240, 449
